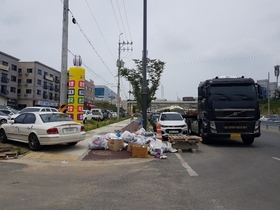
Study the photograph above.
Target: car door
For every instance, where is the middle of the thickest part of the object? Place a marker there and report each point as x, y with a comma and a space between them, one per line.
13, 130
26, 127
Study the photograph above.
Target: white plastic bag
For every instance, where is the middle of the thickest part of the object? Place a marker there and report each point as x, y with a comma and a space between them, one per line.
98, 142
141, 131
110, 136
127, 136
158, 144
170, 148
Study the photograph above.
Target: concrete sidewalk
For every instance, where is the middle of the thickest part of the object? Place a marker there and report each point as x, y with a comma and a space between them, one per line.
77, 152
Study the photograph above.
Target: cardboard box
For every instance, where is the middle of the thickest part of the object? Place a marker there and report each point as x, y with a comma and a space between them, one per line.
130, 145
139, 151
115, 144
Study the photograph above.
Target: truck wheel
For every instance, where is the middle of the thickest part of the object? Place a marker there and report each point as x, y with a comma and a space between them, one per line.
248, 141
205, 140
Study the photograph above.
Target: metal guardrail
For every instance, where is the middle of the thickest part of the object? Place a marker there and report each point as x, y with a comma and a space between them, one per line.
271, 125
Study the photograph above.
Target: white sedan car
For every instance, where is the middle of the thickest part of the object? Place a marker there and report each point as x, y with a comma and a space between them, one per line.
42, 128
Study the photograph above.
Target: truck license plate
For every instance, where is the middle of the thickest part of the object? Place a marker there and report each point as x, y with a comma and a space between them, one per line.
235, 136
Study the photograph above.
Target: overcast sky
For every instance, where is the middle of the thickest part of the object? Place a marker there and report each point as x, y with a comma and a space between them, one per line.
198, 39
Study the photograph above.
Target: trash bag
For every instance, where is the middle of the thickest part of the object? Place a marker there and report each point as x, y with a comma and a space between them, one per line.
126, 136
98, 142
140, 140
140, 132
170, 148
158, 144
110, 136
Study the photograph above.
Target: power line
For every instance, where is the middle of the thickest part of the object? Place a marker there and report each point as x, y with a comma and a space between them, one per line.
75, 22
99, 29
127, 20
121, 20
91, 71
226, 59
115, 16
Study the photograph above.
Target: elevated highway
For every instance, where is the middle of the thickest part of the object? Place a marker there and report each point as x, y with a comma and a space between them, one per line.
161, 104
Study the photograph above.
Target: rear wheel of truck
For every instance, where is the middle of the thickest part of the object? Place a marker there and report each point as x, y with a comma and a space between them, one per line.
248, 141
205, 140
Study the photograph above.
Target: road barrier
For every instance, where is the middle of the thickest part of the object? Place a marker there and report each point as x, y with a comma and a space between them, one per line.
270, 125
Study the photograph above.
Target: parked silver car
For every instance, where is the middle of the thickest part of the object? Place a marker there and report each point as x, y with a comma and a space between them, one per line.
34, 109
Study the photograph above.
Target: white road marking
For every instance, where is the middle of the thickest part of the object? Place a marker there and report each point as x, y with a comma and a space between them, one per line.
186, 165
276, 158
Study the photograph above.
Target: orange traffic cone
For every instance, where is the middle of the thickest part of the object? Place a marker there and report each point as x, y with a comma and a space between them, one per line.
159, 135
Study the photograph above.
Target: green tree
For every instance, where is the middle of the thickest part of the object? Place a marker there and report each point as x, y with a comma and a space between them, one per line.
135, 77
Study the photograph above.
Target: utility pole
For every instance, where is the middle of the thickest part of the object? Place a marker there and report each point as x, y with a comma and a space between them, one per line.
144, 62
64, 52
120, 64
268, 96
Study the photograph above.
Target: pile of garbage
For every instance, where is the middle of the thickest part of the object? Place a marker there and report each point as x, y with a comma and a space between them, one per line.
132, 141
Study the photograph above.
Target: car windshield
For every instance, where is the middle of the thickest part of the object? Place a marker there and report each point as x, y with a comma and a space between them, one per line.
171, 116
55, 117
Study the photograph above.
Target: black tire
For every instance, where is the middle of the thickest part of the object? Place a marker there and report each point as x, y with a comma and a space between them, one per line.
3, 121
72, 143
3, 137
33, 142
205, 140
85, 121
248, 141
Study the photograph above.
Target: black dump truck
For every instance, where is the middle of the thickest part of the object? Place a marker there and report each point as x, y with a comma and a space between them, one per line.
228, 107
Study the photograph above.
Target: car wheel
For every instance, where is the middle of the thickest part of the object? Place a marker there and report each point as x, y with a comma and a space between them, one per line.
248, 141
72, 143
85, 121
33, 142
3, 137
205, 140
3, 121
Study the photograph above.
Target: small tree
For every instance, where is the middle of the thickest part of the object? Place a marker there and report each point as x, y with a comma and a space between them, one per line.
135, 77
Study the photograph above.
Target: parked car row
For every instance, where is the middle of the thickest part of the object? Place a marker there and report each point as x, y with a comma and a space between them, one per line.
100, 114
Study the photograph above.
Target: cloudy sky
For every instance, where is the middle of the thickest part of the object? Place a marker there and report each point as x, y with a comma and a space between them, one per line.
197, 39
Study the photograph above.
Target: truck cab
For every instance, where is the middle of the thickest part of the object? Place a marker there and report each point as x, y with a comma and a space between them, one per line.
228, 107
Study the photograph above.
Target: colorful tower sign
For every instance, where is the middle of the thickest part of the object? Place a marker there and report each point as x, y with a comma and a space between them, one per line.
76, 85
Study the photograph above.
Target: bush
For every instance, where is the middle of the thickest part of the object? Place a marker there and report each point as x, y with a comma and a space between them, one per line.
92, 124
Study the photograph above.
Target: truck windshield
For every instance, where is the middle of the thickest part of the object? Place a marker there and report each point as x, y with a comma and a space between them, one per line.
240, 92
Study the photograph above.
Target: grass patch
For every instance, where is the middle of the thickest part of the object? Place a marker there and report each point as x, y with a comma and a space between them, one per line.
92, 124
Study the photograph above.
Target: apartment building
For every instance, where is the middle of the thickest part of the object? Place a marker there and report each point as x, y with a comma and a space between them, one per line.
33, 84
9, 76
38, 85
89, 94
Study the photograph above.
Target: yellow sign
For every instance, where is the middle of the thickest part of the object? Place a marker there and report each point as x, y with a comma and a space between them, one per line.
76, 85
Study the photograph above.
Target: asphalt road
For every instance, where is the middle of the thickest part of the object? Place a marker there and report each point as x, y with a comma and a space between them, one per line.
223, 175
